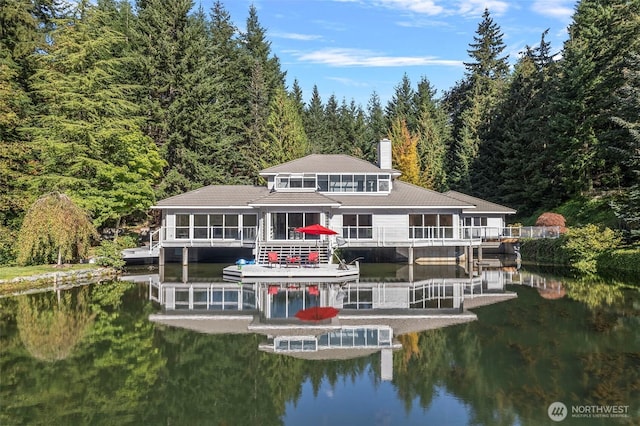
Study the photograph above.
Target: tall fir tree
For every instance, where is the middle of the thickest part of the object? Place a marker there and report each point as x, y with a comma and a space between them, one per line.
590, 145
333, 131
522, 163
314, 122
627, 203
376, 126
19, 38
433, 134
486, 78
87, 131
402, 106
286, 139
265, 78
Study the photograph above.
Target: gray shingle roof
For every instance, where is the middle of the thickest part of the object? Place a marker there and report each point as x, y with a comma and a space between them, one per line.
215, 196
294, 199
402, 195
325, 163
482, 206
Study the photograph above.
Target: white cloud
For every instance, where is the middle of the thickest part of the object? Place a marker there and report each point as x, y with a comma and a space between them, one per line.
560, 9
342, 57
475, 8
297, 36
348, 82
427, 7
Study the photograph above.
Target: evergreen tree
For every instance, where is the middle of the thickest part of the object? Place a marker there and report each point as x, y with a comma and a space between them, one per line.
265, 79
296, 96
590, 144
286, 139
376, 127
333, 132
522, 161
314, 122
627, 204
19, 37
484, 85
239, 161
402, 106
88, 131
433, 134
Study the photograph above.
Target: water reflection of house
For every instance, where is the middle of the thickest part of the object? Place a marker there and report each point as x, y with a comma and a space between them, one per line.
372, 211
371, 314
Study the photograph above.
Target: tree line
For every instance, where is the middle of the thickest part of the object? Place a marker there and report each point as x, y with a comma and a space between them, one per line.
118, 104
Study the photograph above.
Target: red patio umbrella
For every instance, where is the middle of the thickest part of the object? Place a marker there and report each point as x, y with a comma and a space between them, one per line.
316, 229
317, 313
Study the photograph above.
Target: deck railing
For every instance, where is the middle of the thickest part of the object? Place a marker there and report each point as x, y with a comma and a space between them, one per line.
387, 235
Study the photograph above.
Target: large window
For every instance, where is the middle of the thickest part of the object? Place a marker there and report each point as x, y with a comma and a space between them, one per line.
216, 226
346, 182
249, 227
182, 226
296, 182
283, 225
430, 226
357, 226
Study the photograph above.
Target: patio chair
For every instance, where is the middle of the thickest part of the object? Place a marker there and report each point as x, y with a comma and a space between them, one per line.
273, 258
313, 258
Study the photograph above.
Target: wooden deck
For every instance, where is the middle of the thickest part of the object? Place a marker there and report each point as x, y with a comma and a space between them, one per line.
256, 272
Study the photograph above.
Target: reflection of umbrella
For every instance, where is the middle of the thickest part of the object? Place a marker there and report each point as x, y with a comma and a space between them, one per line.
317, 313
316, 229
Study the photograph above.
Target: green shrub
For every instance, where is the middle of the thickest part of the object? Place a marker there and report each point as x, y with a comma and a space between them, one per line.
546, 250
586, 243
109, 253
627, 260
7, 246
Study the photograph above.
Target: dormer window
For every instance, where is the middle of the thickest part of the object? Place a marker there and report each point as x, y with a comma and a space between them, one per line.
344, 182
296, 182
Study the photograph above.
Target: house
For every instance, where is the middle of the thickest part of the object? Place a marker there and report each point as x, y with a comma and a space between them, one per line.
373, 212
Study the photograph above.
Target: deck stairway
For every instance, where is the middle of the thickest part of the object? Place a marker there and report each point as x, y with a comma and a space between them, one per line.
297, 248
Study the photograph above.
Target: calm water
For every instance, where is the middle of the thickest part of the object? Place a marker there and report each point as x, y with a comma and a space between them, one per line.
92, 356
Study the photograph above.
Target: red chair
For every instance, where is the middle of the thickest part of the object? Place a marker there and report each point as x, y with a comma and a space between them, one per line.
273, 258
314, 258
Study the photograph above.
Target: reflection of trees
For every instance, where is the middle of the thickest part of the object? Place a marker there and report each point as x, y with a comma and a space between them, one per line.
107, 379
594, 292
50, 328
522, 355
416, 373
225, 379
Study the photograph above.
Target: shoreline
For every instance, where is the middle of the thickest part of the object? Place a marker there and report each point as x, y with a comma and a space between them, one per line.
53, 280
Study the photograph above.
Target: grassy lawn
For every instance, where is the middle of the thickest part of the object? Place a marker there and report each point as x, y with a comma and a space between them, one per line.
11, 272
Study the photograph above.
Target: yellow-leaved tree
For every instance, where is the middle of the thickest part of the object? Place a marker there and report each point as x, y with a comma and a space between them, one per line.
54, 229
404, 150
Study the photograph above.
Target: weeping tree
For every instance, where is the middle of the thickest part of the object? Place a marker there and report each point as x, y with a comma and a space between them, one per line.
50, 329
54, 230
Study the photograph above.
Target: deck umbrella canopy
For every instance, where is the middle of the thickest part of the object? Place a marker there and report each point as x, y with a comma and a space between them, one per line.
317, 313
316, 229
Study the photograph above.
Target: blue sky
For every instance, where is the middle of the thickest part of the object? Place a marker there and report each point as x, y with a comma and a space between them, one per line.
351, 48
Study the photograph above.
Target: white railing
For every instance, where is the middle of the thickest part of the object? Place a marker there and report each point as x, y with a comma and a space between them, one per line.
154, 240
383, 236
